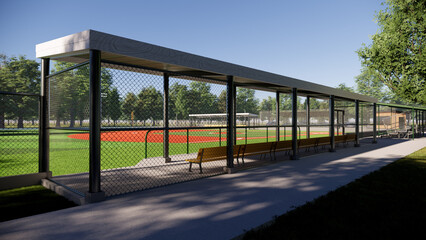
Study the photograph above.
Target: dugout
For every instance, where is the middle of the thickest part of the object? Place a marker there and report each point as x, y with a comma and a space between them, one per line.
96, 50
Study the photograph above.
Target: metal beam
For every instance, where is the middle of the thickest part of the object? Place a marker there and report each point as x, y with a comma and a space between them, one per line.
230, 122
331, 121
374, 123
294, 124
357, 123
95, 194
166, 118
308, 117
234, 113
277, 109
44, 119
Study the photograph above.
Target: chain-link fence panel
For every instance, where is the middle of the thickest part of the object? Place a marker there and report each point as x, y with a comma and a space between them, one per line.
69, 104
69, 97
19, 134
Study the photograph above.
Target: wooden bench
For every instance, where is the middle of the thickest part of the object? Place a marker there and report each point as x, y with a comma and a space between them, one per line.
258, 148
323, 141
213, 154
341, 139
351, 138
282, 146
307, 143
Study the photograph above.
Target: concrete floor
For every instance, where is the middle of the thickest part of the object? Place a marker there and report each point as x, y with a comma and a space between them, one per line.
220, 207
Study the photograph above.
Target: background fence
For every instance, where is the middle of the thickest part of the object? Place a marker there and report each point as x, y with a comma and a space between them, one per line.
19, 119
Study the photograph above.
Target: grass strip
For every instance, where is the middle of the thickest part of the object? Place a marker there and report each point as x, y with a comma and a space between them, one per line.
389, 203
28, 201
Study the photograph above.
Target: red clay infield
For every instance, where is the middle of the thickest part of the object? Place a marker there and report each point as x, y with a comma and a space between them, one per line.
157, 136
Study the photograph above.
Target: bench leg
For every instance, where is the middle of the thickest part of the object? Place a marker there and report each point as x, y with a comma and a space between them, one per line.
190, 166
201, 169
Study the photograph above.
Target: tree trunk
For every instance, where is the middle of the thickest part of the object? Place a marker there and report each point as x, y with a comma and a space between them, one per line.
2, 125
72, 117
81, 122
20, 122
58, 122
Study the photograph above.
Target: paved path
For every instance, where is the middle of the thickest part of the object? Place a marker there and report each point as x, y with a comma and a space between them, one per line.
220, 207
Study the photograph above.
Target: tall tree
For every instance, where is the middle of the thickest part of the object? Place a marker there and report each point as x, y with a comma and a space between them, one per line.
19, 75
221, 102
246, 101
179, 101
149, 104
201, 99
114, 105
398, 48
129, 105
342, 86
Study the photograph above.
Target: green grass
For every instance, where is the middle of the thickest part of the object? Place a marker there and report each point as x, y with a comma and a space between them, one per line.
389, 203
19, 153
28, 201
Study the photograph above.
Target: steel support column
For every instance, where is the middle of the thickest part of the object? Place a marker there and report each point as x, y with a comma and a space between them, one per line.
357, 123
230, 122
308, 117
374, 123
234, 113
294, 155
412, 123
166, 118
43, 165
331, 121
277, 109
95, 194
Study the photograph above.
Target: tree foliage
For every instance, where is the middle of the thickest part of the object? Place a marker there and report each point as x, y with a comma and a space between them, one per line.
397, 51
20, 75
246, 101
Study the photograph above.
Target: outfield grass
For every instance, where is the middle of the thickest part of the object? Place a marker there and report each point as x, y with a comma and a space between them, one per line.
389, 203
69, 155
28, 201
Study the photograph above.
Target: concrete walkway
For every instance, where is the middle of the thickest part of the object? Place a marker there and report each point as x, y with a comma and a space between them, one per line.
219, 207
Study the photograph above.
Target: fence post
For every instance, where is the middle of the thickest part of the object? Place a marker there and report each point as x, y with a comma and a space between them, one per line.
44, 119
277, 106
167, 159
230, 107
331, 121
187, 141
357, 123
308, 117
294, 124
95, 194
374, 123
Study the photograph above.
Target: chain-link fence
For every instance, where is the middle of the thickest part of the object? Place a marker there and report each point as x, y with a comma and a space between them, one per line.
19, 122
69, 125
142, 148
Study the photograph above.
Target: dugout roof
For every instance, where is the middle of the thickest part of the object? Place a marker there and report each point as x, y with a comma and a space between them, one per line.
75, 48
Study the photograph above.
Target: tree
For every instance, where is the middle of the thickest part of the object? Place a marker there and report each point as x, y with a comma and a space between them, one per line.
202, 101
397, 50
221, 102
246, 101
179, 101
19, 75
343, 86
114, 105
129, 105
149, 104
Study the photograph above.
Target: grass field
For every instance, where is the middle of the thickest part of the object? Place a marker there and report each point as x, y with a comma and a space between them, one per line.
70, 155
389, 203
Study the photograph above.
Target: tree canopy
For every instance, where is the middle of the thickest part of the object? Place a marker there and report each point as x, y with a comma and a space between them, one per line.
397, 51
20, 75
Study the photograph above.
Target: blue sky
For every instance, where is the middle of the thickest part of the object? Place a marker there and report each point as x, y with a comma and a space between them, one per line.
310, 40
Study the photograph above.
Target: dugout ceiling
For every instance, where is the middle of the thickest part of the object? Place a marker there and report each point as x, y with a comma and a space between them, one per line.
75, 48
